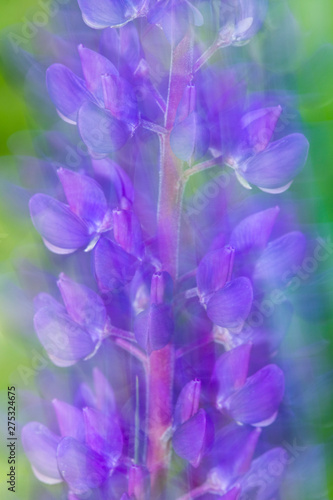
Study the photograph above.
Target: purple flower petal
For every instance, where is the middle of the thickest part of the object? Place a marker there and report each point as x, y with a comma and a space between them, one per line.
84, 306
214, 271
46, 300
57, 224
230, 306
278, 164
257, 402
153, 327
271, 466
190, 138
113, 266
104, 14
70, 420
193, 438
67, 91
277, 263
232, 453
85, 197
231, 371
105, 398
258, 127
81, 467
120, 99
115, 178
40, 446
65, 341
103, 435
188, 402
94, 66
101, 132
254, 231
127, 232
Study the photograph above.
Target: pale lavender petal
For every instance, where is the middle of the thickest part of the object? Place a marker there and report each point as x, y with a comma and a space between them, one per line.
153, 327
57, 224
101, 132
103, 13
190, 138
193, 438
70, 420
40, 446
67, 91
254, 231
259, 126
258, 401
105, 398
63, 339
46, 300
214, 271
265, 475
231, 371
84, 306
278, 164
103, 435
230, 306
278, 263
94, 66
188, 402
113, 266
81, 467
85, 197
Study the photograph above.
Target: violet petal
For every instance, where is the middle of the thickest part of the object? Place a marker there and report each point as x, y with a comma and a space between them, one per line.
254, 231
85, 197
57, 224
278, 164
101, 132
70, 420
81, 467
113, 266
188, 402
153, 327
103, 435
63, 339
230, 306
257, 402
279, 260
214, 271
67, 91
185, 445
83, 305
40, 446
231, 371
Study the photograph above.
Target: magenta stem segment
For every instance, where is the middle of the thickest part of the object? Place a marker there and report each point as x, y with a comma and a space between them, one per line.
161, 362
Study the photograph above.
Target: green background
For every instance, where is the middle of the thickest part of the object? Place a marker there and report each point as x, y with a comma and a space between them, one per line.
310, 76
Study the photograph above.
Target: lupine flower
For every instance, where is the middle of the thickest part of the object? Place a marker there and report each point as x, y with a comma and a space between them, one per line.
240, 20
104, 104
72, 331
83, 454
249, 400
228, 302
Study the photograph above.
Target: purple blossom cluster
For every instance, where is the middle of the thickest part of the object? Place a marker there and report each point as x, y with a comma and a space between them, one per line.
178, 295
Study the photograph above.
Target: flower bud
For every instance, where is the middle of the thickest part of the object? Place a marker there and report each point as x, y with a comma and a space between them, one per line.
161, 288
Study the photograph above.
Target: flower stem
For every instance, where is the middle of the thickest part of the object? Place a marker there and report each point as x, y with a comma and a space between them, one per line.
161, 362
